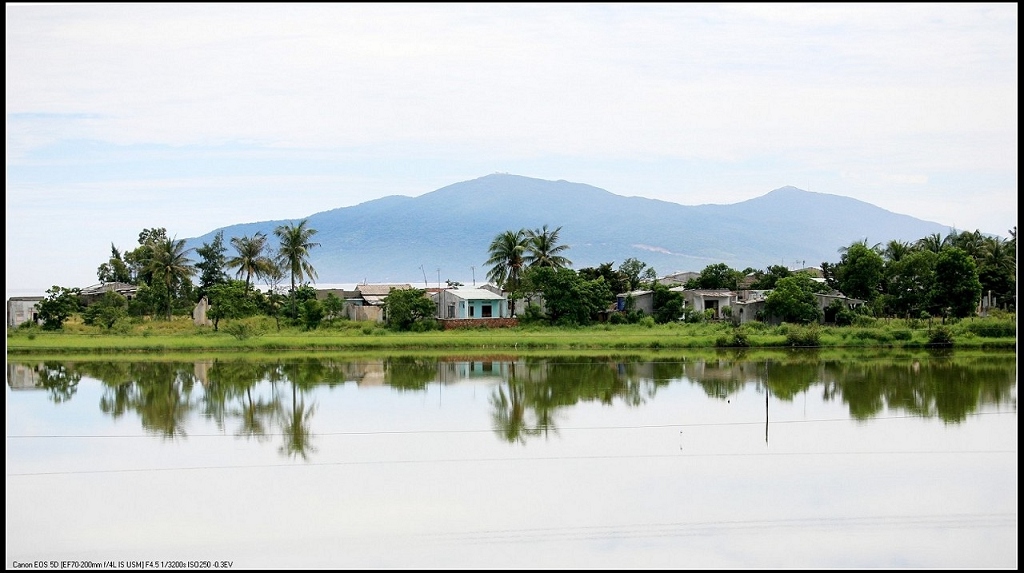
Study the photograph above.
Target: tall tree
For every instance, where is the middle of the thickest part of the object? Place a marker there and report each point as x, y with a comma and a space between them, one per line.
617, 281
957, 290
115, 269
139, 260
716, 276
633, 269
543, 249
859, 271
252, 259
507, 259
997, 271
211, 264
171, 266
293, 252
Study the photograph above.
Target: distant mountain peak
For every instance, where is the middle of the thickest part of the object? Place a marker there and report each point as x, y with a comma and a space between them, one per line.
399, 239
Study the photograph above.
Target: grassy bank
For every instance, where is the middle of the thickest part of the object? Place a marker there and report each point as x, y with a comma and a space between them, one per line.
262, 334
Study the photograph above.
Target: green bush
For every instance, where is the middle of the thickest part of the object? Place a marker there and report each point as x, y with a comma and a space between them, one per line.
647, 321
803, 336
902, 334
244, 329
737, 339
989, 327
425, 325
941, 335
864, 320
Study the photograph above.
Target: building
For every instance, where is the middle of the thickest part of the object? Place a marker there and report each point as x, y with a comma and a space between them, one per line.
22, 309
470, 303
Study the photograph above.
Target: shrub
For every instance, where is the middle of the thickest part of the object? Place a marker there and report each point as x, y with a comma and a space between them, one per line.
737, 339
864, 320
902, 334
647, 321
244, 329
941, 335
425, 325
803, 336
990, 328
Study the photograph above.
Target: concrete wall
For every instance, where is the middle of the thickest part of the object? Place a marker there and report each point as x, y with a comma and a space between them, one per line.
21, 309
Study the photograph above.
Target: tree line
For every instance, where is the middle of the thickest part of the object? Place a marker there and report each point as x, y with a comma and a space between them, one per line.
933, 277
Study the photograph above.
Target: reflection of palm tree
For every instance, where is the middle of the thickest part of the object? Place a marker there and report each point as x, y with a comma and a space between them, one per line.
295, 425
164, 405
509, 414
254, 414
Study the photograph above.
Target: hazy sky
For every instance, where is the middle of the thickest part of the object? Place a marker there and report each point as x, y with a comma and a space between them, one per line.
194, 117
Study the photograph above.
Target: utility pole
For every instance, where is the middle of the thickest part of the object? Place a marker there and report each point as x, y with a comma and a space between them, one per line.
473, 270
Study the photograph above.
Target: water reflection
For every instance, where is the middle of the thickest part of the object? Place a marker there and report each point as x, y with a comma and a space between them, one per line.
275, 397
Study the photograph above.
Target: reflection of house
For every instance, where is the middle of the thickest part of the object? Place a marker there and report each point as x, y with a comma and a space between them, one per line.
94, 293
22, 377
482, 371
21, 309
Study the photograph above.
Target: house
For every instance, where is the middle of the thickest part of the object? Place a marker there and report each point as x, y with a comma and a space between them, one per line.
747, 310
94, 293
462, 307
470, 303
678, 279
366, 302
21, 309
700, 300
638, 300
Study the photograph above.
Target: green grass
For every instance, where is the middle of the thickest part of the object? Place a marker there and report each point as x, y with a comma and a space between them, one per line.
262, 335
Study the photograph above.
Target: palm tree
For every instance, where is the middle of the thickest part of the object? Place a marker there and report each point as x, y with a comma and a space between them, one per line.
251, 259
171, 265
931, 243
896, 250
507, 252
543, 249
293, 253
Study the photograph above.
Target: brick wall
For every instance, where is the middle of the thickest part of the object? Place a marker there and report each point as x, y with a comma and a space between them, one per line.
450, 323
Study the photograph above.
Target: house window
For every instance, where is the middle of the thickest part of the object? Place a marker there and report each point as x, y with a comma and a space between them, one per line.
472, 311
451, 310
485, 311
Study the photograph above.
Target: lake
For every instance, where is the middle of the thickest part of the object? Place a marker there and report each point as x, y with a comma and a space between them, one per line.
787, 459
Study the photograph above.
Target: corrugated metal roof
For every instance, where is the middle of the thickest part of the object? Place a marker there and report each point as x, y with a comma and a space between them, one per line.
475, 294
380, 290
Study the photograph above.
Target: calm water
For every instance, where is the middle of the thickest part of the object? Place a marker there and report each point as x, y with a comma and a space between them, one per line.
786, 460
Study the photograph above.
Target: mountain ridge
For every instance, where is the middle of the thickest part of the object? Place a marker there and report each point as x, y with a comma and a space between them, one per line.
447, 231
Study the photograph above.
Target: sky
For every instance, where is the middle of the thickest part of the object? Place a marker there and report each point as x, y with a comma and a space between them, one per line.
193, 117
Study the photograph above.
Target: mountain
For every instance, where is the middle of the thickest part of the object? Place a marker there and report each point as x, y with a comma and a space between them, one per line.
444, 234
